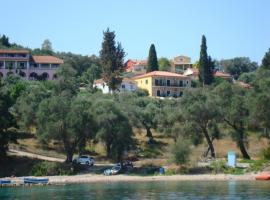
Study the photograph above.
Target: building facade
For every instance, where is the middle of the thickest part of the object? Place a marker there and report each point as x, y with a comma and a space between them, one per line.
126, 85
163, 84
180, 64
30, 67
136, 65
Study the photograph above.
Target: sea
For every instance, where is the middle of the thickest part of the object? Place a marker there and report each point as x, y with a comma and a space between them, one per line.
168, 190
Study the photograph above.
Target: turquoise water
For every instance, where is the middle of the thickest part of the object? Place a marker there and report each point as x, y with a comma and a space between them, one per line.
144, 190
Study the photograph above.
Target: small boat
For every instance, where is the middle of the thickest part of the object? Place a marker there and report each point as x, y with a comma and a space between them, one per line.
263, 177
35, 180
4, 182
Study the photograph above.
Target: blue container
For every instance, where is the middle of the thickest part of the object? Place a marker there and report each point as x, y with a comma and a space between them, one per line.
161, 170
231, 159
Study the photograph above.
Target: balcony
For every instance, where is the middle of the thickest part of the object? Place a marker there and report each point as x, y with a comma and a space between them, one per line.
170, 85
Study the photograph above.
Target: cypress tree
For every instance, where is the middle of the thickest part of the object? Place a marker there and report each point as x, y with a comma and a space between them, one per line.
266, 60
152, 63
112, 60
205, 65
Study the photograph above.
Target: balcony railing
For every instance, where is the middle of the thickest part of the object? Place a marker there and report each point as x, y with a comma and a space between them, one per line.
170, 85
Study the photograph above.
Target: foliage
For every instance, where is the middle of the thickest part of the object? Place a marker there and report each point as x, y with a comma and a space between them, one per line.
235, 109
237, 66
4, 41
206, 65
113, 128
112, 60
247, 77
152, 63
91, 74
181, 151
47, 46
46, 168
218, 166
201, 115
164, 64
266, 153
266, 60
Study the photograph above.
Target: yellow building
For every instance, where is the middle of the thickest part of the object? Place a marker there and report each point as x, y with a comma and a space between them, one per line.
163, 84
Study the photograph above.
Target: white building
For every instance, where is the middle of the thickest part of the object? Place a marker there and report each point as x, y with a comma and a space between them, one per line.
126, 85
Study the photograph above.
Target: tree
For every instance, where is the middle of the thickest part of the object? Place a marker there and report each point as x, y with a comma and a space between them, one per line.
152, 63
66, 83
114, 129
4, 40
47, 45
7, 121
205, 65
200, 116
181, 151
112, 60
164, 64
237, 66
233, 102
266, 60
90, 75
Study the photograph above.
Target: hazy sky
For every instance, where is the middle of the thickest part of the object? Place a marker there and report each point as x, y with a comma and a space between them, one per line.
232, 27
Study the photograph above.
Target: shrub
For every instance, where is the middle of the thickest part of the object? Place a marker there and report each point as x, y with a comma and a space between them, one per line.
218, 166
46, 168
181, 151
266, 153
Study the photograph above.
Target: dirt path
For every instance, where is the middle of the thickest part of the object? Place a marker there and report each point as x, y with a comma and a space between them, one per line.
32, 155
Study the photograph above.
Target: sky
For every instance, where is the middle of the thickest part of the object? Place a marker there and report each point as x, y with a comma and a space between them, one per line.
233, 28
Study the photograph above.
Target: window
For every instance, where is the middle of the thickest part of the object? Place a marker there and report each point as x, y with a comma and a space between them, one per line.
156, 82
181, 83
146, 81
10, 65
54, 65
168, 93
123, 86
158, 93
1, 64
45, 65
168, 82
21, 65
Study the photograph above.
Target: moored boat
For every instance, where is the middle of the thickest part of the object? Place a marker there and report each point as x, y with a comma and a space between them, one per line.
5, 182
263, 177
35, 180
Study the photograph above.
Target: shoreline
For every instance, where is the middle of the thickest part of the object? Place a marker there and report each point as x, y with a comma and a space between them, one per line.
90, 178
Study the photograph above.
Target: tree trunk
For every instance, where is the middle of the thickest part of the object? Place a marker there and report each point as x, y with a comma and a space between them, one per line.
209, 142
242, 146
149, 133
108, 149
69, 157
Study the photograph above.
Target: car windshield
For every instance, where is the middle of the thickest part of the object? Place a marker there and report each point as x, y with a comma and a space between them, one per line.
116, 168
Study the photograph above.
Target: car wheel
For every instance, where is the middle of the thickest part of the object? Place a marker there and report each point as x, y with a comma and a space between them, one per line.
87, 162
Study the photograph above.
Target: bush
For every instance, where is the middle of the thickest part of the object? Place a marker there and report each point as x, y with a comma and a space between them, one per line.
266, 153
218, 166
181, 151
51, 168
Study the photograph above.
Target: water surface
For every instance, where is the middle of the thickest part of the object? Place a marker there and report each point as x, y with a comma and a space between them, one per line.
144, 190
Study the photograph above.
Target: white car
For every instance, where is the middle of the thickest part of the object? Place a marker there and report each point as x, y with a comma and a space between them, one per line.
86, 160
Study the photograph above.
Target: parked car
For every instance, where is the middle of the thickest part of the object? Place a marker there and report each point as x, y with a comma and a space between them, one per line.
114, 170
127, 164
85, 160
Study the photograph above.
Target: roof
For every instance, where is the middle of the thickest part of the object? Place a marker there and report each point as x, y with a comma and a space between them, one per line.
14, 51
222, 74
47, 59
243, 84
159, 73
125, 80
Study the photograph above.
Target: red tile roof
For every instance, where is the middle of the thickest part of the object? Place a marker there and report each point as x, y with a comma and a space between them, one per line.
14, 51
47, 59
222, 75
159, 73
